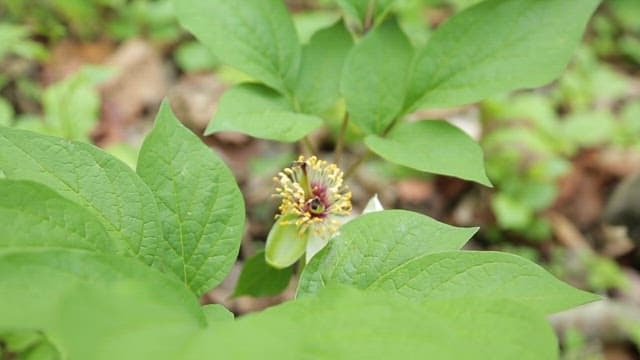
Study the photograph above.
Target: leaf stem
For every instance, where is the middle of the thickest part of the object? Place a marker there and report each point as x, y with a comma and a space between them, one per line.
302, 263
390, 127
368, 19
308, 146
368, 153
340, 142
352, 169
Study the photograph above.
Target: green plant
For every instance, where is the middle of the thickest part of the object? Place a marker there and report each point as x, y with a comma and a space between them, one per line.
526, 154
529, 143
17, 47
85, 19
617, 30
366, 75
379, 75
70, 107
14, 39
91, 244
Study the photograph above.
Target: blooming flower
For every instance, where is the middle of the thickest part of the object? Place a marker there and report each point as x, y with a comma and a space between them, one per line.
315, 202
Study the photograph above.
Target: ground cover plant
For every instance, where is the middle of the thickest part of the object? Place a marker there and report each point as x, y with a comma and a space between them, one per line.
101, 261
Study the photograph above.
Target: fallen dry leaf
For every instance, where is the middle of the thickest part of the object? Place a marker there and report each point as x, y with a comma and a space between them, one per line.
414, 190
140, 83
67, 57
194, 99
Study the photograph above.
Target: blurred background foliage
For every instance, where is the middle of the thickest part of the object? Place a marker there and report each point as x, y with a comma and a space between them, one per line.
96, 71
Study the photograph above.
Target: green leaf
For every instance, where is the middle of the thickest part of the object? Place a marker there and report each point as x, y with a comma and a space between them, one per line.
432, 146
124, 152
481, 274
347, 324
134, 312
192, 56
589, 128
375, 244
630, 113
200, 205
307, 23
32, 215
413, 256
285, 245
375, 76
318, 84
365, 10
463, 4
626, 12
259, 279
43, 350
71, 107
14, 39
137, 313
261, 112
6, 112
84, 174
255, 36
125, 322
19, 341
497, 46
29, 345
216, 313
511, 212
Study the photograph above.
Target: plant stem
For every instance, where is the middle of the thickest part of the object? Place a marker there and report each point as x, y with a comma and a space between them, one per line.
302, 263
368, 19
352, 169
340, 142
390, 127
308, 145
368, 153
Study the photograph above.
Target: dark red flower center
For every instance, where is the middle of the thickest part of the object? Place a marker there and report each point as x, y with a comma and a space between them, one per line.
318, 204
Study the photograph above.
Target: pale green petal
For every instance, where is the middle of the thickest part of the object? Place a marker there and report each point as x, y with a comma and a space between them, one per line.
321, 233
373, 205
284, 245
315, 243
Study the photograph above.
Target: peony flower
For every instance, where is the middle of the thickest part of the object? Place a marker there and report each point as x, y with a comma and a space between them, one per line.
314, 204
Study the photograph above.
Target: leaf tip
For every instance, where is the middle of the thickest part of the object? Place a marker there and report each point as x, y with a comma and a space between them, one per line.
484, 180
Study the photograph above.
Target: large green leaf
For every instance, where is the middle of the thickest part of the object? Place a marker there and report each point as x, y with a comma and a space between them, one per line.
200, 205
318, 83
84, 174
377, 243
261, 112
137, 313
32, 215
389, 251
255, 36
481, 274
375, 75
260, 279
215, 313
341, 324
497, 46
95, 306
432, 146
365, 10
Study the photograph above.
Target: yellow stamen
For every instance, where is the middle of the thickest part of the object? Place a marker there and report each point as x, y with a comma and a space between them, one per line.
299, 186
